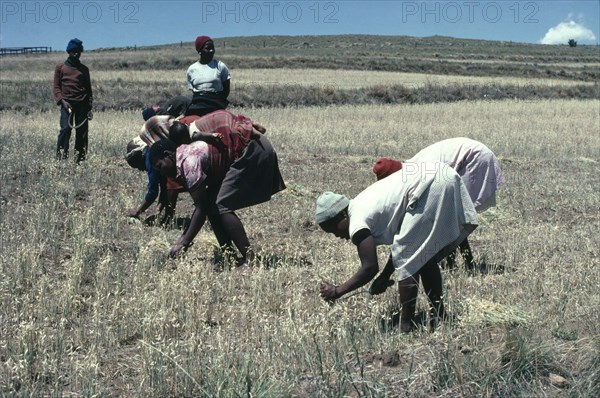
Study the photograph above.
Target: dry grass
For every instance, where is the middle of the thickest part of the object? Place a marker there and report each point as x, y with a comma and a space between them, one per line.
349, 79
89, 306
280, 71
335, 79
30, 90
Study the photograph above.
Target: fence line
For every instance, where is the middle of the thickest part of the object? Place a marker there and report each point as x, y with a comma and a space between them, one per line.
24, 50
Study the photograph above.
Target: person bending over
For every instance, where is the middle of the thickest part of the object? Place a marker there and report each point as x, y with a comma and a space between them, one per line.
423, 214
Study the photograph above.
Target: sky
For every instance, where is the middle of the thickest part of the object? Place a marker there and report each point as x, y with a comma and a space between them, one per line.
111, 23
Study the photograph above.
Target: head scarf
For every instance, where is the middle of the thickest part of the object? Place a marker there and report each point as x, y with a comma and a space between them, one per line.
384, 167
329, 205
201, 41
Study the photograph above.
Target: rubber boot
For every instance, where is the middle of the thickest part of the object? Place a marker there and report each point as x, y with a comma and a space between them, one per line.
80, 157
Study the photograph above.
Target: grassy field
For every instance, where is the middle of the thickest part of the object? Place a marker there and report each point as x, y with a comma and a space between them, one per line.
130, 89
90, 306
344, 79
348, 52
328, 71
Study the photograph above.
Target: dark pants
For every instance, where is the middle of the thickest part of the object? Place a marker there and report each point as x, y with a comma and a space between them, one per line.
203, 104
81, 110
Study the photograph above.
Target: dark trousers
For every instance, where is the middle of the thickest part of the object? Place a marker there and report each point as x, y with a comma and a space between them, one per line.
203, 104
80, 109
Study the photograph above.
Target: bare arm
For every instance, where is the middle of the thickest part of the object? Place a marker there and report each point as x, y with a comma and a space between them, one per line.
198, 219
226, 88
210, 138
383, 281
260, 129
367, 251
135, 213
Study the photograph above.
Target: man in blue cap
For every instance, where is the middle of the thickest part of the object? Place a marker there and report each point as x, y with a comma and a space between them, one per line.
73, 93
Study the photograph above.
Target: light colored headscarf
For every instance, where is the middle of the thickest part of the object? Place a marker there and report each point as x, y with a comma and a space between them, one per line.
329, 205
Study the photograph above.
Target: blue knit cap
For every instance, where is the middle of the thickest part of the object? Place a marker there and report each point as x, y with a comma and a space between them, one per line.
75, 44
148, 113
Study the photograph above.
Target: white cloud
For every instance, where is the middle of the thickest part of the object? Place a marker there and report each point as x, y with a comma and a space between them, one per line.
564, 31
575, 17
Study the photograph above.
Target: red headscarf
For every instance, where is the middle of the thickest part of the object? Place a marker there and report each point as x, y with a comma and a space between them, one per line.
201, 41
384, 167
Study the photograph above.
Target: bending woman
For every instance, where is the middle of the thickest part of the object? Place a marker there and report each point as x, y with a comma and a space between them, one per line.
474, 162
423, 214
219, 184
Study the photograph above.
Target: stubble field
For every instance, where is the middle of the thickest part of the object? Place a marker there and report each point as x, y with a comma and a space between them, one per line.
90, 306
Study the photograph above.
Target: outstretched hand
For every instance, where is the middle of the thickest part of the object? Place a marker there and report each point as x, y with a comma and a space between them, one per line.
380, 285
328, 291
178, 249
133, 213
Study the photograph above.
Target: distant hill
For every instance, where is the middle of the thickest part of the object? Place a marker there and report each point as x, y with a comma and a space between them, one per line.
436, 55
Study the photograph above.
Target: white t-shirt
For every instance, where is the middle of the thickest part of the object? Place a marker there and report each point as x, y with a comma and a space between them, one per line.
207, 77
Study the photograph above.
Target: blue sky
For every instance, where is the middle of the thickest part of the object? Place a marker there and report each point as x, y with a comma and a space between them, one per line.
126, 23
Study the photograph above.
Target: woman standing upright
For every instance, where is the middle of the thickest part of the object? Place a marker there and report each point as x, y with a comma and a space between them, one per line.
208, 79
